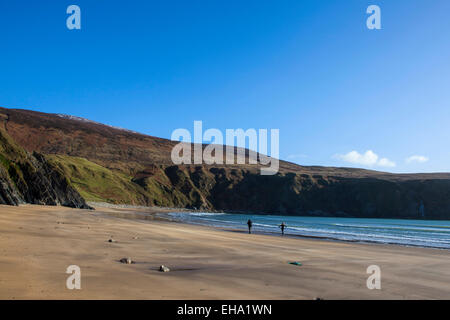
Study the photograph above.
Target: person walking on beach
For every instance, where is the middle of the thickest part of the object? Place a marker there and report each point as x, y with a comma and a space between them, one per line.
282, 226
249, 223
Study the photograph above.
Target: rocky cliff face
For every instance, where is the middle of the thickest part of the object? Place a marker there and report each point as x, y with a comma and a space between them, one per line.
240, 190
30, 178
8, 193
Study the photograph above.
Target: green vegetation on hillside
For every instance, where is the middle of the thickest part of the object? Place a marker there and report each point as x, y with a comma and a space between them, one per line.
96, 183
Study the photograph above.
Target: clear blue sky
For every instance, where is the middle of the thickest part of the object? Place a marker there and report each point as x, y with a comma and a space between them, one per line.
310, 68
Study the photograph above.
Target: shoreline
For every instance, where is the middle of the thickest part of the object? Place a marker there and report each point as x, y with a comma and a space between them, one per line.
162, 213
164, 216
256, 213
273, 234
38, 243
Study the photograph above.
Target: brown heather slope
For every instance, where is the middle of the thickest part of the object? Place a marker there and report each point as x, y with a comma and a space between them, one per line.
115, 165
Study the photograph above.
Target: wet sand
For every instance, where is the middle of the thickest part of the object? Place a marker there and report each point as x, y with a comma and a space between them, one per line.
38, 243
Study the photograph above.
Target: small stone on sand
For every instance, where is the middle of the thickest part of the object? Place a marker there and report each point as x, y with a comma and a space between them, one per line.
126, 260
163, 268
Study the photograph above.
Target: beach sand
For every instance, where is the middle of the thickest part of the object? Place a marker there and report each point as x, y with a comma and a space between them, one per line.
38, 243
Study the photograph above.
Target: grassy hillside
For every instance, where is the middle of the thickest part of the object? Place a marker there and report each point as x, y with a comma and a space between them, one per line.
96, 183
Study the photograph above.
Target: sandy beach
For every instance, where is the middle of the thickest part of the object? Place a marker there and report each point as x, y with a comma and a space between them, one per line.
38, 243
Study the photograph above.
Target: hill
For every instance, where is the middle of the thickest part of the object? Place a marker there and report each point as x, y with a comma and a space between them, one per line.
105, 163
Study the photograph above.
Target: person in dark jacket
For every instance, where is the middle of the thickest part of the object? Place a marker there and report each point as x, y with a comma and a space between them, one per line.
249, 223
282, 227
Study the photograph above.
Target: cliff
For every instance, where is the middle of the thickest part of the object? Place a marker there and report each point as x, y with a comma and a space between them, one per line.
30, 178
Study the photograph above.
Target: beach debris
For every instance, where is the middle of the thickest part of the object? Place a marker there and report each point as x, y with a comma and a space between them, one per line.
126, 260
112, 240
135, 238
163, 268
295, 263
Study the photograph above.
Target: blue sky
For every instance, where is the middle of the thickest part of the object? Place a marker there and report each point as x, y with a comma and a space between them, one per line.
341, 95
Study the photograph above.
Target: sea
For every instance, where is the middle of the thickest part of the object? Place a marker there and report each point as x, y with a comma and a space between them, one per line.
422, 233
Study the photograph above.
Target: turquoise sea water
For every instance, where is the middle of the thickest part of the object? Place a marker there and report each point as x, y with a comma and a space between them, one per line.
421, 233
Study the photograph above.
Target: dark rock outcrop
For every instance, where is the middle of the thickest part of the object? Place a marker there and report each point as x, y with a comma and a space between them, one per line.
240, 190
8, 193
